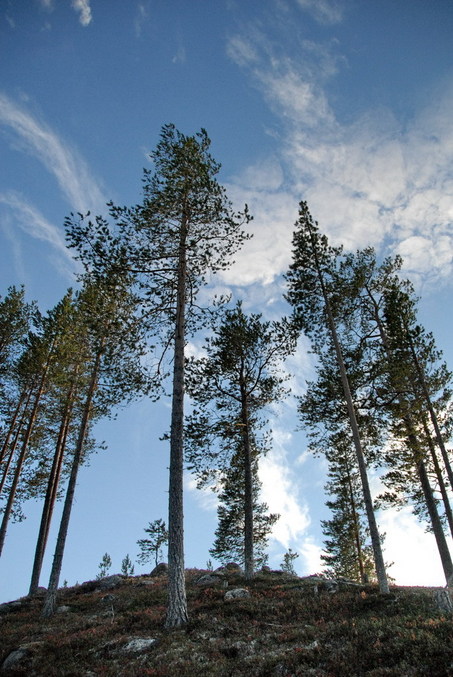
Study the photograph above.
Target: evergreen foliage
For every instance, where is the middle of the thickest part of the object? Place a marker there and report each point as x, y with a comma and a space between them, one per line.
229, 543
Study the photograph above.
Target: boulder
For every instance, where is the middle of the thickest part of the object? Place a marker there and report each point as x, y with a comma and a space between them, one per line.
17, 658
138, 645
14, 658
237, 593
63, 609
160, 570
210, 580
233, 566
8, 607
109, 582
442, 600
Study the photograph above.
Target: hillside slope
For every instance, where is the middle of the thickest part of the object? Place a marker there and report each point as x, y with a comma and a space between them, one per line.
286, 626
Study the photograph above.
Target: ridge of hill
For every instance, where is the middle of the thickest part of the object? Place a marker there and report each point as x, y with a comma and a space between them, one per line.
275, 625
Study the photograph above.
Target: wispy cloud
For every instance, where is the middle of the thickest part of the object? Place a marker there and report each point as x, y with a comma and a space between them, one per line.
374, 181
141, 17
324, 11
84, 10
180, 56
31, 221
71, 172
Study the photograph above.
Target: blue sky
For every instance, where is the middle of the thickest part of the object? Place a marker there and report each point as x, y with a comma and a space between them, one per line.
346, 104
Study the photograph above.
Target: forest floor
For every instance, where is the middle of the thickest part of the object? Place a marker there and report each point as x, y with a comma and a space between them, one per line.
287, 626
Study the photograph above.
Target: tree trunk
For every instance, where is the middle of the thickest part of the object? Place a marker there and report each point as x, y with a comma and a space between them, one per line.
177, 603
418, 459
356, 523
51, 494
51, 597
439, 535
248, 485
432, 413
21, 459
15, 441
12, 424
440, 479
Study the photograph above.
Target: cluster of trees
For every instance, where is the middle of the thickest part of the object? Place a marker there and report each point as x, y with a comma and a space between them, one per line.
381, 397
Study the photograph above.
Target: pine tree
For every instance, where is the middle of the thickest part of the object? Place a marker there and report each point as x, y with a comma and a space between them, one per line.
392, 392
315, 292
38, 364
239, 377
184, 230
127, 568
104, 566
151, 548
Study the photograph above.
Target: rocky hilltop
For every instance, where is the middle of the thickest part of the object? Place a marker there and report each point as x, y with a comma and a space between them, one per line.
277, 625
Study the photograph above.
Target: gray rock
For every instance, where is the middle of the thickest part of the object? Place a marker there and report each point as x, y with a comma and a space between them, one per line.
144, 583
237, 593
210, 581
63, 609
233, 566
15, 657
108, 599
8, 607
443, 601
138, 645
160, 570
109, 582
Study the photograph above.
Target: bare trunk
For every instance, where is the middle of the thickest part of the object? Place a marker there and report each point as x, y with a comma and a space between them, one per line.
19, 429
51, 495
432, 413
436, 524
440, 478
177, 603
51, 597
12, 425
356, 521
248, 485
21, 460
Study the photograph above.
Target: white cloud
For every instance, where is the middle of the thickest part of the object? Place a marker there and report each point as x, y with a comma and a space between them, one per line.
412, 550
84, 9
374, 181
70, 170
206, 498
267, 254
280, 492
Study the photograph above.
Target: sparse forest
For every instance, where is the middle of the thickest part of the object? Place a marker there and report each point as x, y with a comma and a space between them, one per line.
380, 403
